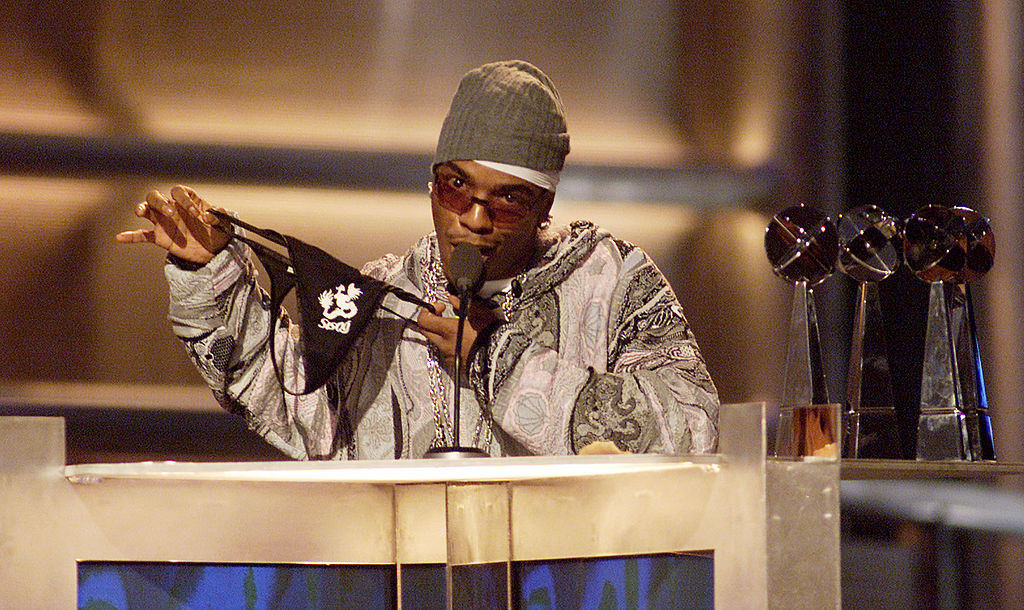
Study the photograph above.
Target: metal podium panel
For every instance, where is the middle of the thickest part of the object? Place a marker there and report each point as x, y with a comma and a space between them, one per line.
420, 523
478, 523
735, 506
803, 532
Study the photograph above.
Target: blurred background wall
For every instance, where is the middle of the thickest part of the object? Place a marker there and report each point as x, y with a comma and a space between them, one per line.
319, 120
692, 123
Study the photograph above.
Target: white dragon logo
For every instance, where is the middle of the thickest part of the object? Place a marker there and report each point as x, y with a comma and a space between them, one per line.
339, 303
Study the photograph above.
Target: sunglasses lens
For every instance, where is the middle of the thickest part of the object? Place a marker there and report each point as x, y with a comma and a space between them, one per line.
451, 198
506, 215
457, 200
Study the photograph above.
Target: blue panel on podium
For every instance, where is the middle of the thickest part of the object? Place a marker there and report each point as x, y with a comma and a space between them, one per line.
423, 586
482, 585
197, 585
649, 581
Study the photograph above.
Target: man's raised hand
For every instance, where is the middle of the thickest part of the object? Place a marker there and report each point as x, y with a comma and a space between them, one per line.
442, 331
182, 225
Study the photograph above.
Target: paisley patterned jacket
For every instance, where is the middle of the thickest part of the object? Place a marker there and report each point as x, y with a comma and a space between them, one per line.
593, 346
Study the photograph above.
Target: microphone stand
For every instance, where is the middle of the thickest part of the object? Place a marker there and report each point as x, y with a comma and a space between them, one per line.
459, 365
466, 286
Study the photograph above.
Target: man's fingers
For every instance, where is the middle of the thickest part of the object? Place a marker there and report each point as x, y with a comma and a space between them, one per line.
178, 225
479, 317
180, 198
188, 193
136, 237
213, 220
179, 194
198, 208
430, 335
162, 213
189, 200
182, 208
188, 203
440, 340
431, 322
437, 310
190, 214
158, 205
439, 331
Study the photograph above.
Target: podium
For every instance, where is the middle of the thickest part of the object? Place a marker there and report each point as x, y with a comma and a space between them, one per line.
767, 530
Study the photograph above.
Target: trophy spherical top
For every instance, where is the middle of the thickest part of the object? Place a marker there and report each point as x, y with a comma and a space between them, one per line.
869, 248
978, 243
943, 244
802, 244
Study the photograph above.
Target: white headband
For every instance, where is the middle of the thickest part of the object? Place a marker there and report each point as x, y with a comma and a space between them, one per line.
546, 180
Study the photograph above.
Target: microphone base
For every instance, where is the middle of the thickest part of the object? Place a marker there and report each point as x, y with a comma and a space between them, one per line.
454, 453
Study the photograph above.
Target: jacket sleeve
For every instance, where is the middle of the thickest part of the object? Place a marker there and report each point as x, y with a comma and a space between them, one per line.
610, 357
223, 318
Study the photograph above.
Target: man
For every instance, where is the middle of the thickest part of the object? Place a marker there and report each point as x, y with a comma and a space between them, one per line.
575, 343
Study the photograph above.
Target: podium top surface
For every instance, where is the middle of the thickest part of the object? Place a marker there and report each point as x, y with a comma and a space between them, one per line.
395, 471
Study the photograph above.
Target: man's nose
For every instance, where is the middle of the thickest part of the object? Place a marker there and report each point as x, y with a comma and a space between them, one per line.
477, 218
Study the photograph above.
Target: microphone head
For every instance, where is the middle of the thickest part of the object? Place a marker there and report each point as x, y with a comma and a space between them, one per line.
466, 267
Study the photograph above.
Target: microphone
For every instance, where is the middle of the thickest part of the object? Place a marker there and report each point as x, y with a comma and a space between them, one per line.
466, 267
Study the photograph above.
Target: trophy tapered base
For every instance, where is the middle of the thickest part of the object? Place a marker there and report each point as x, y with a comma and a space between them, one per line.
979, 429
808, 431
942, 436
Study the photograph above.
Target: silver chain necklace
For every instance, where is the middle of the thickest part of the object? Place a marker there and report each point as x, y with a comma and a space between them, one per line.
434, 291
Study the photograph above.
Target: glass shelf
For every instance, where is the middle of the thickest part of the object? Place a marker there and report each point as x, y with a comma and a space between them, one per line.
854, 469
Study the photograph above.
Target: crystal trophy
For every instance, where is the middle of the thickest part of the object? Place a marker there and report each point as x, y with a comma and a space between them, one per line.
869, 252
802, 245
978, 242
949, 247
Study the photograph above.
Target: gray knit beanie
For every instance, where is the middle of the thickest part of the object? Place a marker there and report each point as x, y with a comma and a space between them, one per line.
506, 112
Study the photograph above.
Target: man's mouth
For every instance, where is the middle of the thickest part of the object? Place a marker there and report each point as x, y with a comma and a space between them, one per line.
485, 251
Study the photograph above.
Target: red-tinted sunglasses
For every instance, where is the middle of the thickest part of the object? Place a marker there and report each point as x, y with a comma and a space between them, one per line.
506, 206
